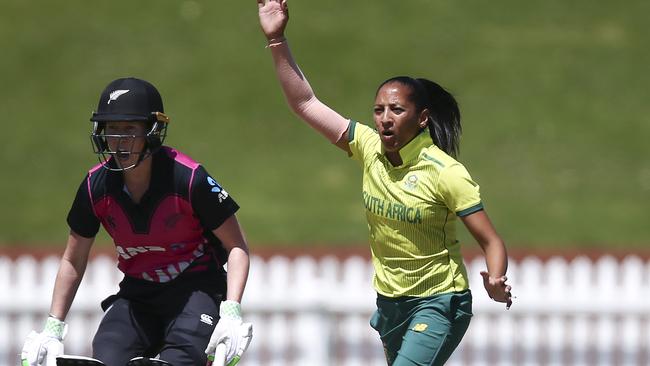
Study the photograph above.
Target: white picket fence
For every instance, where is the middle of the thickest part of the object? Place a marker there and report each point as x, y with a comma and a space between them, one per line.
312, 312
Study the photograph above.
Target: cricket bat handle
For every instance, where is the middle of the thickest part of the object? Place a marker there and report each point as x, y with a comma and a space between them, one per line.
219, 357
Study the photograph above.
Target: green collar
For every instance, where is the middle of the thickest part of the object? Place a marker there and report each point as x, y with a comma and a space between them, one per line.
411, 151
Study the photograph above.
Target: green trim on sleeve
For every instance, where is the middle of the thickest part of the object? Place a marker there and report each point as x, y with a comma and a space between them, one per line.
424, 155
468, 211
351, 127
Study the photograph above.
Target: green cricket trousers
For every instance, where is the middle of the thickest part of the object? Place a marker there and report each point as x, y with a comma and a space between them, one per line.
422, 331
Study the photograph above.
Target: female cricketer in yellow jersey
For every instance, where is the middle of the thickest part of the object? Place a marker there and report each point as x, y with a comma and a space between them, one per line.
413, 191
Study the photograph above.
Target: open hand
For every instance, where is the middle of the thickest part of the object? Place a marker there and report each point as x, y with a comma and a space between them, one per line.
274, 15
497, 288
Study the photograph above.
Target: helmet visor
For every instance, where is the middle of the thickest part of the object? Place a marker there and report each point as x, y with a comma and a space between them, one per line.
118, 151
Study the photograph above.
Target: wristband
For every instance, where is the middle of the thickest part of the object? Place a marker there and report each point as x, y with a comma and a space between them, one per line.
230, 309
55, 328
273, 42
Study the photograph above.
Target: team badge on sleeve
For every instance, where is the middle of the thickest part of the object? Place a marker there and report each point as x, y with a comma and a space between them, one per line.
216, 188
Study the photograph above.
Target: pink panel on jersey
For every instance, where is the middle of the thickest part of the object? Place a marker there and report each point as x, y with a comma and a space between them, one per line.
90, 191
175, 239
180, 157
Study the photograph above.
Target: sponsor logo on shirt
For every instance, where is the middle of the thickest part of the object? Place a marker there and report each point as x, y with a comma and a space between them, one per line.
420, 327
207, 319
130, 252
216, 188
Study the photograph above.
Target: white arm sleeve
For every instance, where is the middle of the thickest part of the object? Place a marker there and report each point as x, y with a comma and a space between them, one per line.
301, 97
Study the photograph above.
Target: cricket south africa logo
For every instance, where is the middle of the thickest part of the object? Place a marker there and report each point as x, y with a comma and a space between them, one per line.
116, 94
411, 181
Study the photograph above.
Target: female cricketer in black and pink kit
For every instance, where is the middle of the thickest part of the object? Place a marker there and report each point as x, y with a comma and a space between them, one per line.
174, 228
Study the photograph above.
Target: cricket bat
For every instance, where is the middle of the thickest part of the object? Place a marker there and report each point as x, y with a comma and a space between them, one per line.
146, 361
71, 360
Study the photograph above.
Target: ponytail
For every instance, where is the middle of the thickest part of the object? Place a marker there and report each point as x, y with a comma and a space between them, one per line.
444, 117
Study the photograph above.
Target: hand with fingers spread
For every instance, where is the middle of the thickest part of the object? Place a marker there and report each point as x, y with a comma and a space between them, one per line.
497, 288
274, 15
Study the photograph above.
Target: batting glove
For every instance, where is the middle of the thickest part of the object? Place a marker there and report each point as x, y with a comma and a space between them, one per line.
43, 348
230, 331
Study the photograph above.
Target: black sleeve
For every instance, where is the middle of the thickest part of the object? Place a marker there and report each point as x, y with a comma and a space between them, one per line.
211, 203
81, 218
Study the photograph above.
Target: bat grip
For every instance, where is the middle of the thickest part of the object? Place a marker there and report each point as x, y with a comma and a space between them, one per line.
219, 357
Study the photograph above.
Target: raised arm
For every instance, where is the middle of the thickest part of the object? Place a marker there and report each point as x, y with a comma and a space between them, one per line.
274, 15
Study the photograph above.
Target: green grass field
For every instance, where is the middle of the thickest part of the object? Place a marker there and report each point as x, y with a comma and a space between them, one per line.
554, 96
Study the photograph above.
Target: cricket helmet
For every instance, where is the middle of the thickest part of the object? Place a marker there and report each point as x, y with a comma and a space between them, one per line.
129, 100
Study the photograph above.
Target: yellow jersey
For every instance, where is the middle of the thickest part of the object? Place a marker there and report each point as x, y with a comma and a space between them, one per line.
412, 211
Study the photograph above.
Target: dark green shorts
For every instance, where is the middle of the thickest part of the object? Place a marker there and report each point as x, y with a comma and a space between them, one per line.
422, 331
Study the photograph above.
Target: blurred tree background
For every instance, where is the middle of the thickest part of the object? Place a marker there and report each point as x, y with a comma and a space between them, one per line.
554, 96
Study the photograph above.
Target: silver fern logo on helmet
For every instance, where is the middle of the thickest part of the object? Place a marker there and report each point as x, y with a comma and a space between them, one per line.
116, 94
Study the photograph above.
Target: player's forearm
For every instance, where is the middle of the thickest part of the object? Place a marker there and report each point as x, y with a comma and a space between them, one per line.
71, 271
496, 257
66, 284
294, 84
238, 266
301, 98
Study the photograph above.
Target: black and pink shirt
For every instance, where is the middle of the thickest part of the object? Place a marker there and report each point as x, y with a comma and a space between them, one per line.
170, 231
